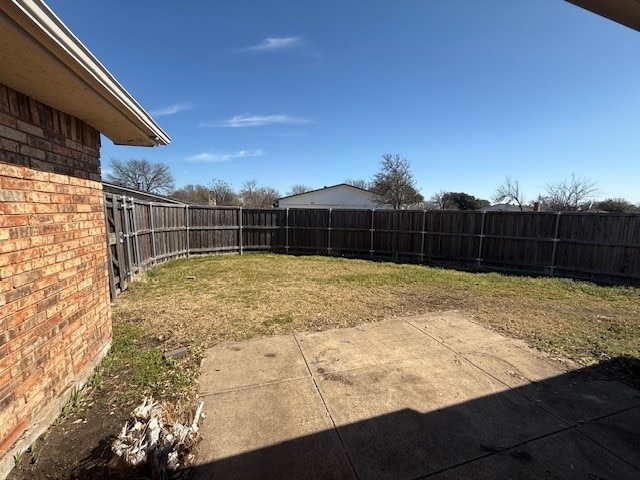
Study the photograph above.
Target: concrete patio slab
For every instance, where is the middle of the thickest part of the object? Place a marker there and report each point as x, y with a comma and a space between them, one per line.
457, 332
423, 385
513, 363
576, 397
233, 365
572, 396
248, 433
618, 433
565, 456
406, 399
364, 346
416, 417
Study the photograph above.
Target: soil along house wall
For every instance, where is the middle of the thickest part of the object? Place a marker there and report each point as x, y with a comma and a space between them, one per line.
55, 320
55, 324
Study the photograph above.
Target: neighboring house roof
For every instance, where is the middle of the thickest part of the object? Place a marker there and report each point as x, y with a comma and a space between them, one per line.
44, 60
338, 196
506, 207
625, 12
371, 194
139, 194
592, 210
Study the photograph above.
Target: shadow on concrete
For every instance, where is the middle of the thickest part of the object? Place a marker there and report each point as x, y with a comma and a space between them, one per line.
579, 425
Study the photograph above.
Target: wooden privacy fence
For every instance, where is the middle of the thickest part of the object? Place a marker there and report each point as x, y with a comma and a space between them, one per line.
598, 247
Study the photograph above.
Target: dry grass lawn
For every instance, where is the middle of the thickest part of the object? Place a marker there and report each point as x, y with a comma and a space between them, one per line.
201, 301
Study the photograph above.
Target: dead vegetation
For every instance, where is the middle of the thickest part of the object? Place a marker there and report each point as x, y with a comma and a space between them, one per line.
153, 440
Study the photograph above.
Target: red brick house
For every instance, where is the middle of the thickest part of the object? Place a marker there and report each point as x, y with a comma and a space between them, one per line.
55, 321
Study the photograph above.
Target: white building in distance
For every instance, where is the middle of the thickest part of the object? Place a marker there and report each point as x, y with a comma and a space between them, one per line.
336, 196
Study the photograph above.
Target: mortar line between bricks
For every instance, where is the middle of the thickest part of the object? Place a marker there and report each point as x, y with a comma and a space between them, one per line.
509, 387
326, 408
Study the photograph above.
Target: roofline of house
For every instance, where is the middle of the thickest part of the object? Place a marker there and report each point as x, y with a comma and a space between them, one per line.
37, 40
330, 186
133, 192
624, 12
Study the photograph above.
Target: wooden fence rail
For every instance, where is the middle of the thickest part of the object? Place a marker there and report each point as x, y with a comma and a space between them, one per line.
604, 248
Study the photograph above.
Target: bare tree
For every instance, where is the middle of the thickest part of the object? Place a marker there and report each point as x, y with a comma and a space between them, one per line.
395, 183
359, 183
259, 197
440, 201
509, 192
141, 174
248, 189
222, 194
194, 194
569, 194
298, 188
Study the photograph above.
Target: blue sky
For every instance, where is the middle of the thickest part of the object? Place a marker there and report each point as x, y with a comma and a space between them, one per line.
301, 92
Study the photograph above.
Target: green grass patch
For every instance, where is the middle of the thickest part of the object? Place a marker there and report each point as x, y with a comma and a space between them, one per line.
142, 368
278, 320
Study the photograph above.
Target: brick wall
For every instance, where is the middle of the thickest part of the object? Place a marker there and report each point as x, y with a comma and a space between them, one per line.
55, 322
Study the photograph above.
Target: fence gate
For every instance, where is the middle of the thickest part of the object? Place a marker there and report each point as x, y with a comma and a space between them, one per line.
119, 267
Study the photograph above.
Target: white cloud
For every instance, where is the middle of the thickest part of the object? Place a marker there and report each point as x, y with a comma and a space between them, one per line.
217, 157
272, 44
239, 121
171, 109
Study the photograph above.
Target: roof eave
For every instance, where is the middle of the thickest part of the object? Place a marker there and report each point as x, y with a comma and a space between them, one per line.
47, 62
624, 12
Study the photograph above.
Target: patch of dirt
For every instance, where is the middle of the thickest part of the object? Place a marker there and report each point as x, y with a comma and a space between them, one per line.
78, 446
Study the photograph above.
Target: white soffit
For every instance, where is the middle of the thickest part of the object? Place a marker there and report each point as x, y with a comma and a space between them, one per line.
40, 57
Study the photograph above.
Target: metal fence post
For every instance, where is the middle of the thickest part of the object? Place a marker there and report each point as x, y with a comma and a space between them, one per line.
424, 226
127, 236
240, 229
556, 240
286, 232
329, 234
136, 240
479, 259
186, 224
372, 230
153, 234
